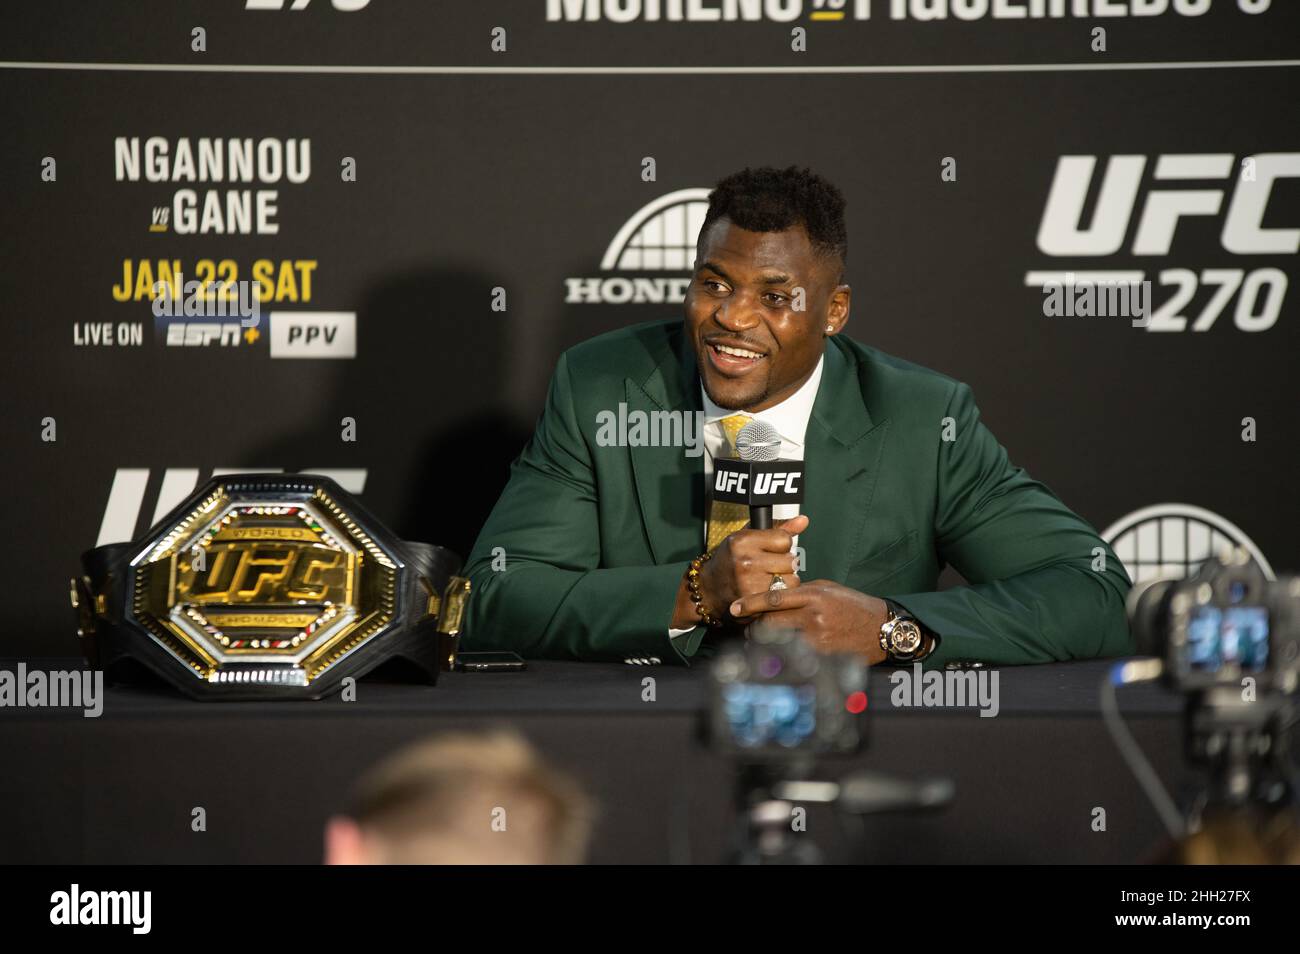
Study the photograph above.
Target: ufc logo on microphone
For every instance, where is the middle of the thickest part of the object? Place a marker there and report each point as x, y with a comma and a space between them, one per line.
758, 483
730, 481
765, 484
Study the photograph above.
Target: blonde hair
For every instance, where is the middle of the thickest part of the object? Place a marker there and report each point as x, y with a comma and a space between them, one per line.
448, 786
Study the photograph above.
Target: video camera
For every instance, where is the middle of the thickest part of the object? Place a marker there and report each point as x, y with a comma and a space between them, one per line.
778, 708
774, 699
1228, 639
1224, 623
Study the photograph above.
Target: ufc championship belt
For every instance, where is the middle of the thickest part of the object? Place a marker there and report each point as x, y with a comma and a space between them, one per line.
268, 586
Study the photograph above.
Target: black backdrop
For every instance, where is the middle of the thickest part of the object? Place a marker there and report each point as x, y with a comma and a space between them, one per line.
478, 170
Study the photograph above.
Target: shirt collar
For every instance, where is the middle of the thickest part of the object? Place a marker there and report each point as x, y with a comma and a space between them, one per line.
790, 417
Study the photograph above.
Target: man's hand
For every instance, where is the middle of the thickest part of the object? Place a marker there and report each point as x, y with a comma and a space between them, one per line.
743, 563
831, 617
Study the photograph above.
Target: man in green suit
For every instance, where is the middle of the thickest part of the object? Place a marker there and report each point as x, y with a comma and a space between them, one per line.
605, 545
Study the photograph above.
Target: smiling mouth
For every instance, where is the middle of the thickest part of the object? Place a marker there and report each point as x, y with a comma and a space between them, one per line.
731, 360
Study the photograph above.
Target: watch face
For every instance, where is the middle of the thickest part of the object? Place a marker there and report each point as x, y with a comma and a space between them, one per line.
266, 588
905, 638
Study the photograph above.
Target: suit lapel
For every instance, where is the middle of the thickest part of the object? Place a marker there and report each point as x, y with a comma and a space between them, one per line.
669, 484
843, 451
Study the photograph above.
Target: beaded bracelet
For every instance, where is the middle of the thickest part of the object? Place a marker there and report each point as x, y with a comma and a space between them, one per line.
693, 586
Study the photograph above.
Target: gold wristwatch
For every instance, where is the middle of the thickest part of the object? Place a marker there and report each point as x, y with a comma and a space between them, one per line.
902, 637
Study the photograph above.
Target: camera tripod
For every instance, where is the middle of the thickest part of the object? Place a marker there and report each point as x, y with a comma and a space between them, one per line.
768, 796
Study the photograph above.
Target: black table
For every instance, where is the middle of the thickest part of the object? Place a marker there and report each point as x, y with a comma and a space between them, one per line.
122, 787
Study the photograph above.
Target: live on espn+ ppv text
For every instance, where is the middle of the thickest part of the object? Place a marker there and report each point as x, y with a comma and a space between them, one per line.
352, 238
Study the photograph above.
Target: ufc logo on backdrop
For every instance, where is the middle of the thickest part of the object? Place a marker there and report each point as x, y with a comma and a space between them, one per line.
1061, 233
126, 497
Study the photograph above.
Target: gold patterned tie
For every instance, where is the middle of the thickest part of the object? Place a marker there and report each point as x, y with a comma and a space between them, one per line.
726, 518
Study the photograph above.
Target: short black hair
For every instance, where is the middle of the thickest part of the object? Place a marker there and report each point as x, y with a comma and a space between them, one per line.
768, 199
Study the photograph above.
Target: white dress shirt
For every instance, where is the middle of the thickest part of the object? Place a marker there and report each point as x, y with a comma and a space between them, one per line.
790, 418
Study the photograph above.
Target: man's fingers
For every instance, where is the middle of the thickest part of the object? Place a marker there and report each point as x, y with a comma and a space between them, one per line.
777, 540
758, 584
767, 563
795, 524
768, 601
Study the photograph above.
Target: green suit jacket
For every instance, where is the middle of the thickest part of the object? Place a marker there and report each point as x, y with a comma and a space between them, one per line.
582, 556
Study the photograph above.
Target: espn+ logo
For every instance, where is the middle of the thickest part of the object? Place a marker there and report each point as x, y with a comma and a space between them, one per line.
1258, 293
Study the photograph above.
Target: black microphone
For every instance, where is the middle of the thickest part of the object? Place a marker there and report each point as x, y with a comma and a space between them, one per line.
759, 441
760, 480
